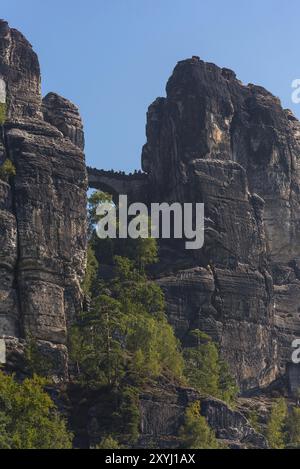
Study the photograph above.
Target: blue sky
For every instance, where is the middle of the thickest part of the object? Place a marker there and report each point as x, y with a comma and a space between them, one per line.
113, 57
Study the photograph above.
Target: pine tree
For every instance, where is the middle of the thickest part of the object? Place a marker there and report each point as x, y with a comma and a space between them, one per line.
205, 370
196, 433
275, 433
28, 417
293, 427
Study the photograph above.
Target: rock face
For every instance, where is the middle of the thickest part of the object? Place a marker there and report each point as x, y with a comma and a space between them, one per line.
214, 140
233, 147
43, 207
162, 415
162, 408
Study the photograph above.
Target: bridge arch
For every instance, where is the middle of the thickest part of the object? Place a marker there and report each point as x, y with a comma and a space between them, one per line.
135, 186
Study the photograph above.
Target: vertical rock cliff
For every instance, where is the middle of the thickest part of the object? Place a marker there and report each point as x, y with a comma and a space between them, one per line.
233, 147
212, 140
42, 207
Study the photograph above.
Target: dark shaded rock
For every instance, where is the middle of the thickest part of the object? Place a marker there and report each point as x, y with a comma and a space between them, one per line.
43, 208
162, 415
214, 140
53, 359
64, 115
19, 67
135, 186
162, 407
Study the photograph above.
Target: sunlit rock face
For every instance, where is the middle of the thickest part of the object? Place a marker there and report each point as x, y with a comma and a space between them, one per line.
43, 207
214, 140
210, 115
2, 91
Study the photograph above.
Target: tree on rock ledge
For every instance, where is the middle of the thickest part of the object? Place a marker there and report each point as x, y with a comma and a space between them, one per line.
28, 417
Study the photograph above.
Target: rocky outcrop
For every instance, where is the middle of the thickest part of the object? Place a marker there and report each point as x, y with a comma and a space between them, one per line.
63, 115
233, 147
43, 207
161, 407
214, 140
162, 415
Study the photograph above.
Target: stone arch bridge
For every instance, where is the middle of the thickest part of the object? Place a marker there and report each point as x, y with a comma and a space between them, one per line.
134, 185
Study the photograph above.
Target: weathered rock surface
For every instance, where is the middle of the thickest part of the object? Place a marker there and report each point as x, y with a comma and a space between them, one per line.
43, 207
162, 415
214, 140
162, 409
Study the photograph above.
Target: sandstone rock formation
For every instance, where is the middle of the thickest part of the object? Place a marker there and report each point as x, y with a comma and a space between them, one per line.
162, 409
43, 207
214, 140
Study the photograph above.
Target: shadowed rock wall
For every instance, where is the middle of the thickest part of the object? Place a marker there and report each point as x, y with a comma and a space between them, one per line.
43, 207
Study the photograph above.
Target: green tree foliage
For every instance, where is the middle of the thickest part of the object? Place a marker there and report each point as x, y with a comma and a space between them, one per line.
108, 442
196, 433
7, 169
96, 198
293, 428
126, 332
129, 413
100, 335
254, 421
228, 388
125, 341
28, 417
276, 433
3, 112
142, 251
36, 362
205, 370
91, 272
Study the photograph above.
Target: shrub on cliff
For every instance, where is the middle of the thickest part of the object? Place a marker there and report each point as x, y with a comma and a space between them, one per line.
205, 370
2, 113
91, 271
28, 416
293, 428
276, 426
108, 442
7, 170
125, 333
195, 432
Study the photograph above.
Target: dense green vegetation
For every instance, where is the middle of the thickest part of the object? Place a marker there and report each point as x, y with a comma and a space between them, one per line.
28, 417
283, 426
124, 341
206, 371
195, 432
119, 345
125, 333
2, 113
108, 442
276, 425
7, 169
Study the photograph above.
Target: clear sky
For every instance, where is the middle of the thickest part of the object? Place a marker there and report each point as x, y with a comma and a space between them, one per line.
113, 57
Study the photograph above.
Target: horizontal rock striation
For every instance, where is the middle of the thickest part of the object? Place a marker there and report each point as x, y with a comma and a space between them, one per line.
232, 147
211, 140
42, 207
162, 415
